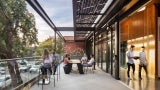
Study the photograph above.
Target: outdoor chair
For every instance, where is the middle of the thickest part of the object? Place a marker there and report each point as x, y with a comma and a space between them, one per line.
41, 80
89, 68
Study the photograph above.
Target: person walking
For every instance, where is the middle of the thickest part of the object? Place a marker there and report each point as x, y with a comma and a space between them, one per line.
130, 63
143, 62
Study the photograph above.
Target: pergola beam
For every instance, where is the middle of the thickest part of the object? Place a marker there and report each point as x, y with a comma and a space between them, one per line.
86, 23
89, 14
85, 29
37, 7
65, 28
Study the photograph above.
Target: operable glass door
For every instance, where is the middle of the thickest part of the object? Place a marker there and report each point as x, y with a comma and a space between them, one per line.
108, 52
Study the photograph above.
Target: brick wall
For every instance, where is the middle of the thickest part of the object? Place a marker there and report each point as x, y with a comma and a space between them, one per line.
74, 48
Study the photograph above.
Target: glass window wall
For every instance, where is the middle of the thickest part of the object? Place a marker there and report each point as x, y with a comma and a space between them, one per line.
105, 50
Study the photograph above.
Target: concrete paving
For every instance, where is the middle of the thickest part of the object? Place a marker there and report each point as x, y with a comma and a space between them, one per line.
137, 84
98, 80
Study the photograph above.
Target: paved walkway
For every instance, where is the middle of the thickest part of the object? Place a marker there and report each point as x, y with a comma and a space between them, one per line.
136, 84
75, 81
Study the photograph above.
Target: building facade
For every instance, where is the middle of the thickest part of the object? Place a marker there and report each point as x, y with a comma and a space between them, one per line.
139, 28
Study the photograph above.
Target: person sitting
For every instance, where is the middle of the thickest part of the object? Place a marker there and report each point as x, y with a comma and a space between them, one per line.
90, 62
67, 66
66, 59
84, 59
46, 61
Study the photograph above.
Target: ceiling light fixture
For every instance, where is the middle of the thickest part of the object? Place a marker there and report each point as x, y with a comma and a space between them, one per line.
142, 9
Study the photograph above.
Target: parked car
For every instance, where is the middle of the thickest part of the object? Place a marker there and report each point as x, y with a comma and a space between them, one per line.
34, 68
23, 68
22, 62
2, 70
38, 62
5, 81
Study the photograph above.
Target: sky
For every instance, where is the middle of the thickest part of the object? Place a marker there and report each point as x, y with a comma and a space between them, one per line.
59, 11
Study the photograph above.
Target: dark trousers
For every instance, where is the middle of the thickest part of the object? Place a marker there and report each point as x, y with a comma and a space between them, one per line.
69, 64
55, 68
145, 69
67, 68
133, 68
80, 68
44, 70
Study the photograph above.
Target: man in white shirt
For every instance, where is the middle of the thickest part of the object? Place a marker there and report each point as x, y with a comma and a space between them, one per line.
84, 59
90, 63
143, 62
130, 56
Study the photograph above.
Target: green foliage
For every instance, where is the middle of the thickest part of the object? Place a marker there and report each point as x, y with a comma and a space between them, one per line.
17, 32
59, 46
17, 28
49, 43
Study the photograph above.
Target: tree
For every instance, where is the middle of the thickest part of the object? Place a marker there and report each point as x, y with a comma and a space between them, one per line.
59, 45
17, 30
49, 43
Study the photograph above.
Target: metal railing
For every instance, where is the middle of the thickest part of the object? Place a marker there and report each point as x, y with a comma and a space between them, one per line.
28, 68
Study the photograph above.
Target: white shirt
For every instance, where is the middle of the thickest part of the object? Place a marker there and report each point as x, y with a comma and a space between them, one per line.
84, 58
91, 61
142, 58
130, 54
55, 57
47, 60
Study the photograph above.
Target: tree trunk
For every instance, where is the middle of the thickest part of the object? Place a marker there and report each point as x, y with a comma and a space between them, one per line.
19, 79
12, 64
14, 72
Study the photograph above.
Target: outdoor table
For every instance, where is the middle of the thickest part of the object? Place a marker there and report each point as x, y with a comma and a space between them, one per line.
79, 65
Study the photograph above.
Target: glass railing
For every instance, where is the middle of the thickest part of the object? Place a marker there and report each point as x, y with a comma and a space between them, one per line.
27, 66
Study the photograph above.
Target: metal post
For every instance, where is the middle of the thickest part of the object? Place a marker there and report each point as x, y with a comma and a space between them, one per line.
94, 47
57, 72
59, 69
55, 40
117, 45
111, 50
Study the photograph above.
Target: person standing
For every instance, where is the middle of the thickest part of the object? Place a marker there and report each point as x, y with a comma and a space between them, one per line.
55, 61
143, 62
130, 63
